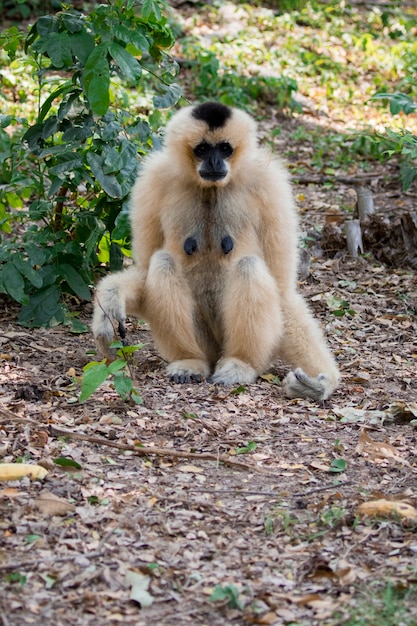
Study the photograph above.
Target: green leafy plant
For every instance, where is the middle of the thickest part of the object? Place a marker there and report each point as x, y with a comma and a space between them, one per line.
68, 176
227, 85
338, 306
229, 593
119, 370
403, 142
250, 447
338, 465
382, 604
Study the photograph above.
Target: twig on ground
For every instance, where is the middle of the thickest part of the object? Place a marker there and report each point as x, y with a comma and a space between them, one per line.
153, 451
56, 431
348, 180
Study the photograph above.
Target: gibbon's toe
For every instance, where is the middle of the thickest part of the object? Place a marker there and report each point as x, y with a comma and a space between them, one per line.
231, 371
188, 371
298, 384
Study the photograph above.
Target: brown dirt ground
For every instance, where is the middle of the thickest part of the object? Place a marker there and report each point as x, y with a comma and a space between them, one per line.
282, 531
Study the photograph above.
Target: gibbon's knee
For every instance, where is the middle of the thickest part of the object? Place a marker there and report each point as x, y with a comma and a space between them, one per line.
162, 264
252, 320
170, 309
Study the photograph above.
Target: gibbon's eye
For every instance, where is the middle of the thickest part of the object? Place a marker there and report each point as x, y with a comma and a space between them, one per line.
225, 149
202, 150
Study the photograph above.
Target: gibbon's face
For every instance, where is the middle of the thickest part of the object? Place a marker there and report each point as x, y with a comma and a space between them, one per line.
212, 139
212, 155
212, 164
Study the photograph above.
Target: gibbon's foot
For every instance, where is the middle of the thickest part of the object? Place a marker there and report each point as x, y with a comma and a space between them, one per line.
188, 371
298, 384
230, 371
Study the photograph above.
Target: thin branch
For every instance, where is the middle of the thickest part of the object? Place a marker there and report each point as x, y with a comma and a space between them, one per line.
349, 180
269, 494
153, 451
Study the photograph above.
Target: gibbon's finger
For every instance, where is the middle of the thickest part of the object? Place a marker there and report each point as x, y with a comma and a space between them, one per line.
298, 384
188, 371
185, 378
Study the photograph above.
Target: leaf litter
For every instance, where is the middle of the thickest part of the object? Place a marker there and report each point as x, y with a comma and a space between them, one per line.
285, 508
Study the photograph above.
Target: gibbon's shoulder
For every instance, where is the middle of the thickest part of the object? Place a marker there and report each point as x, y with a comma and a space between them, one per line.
268, 166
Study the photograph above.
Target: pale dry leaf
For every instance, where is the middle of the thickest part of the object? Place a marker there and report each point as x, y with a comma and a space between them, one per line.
377, 449
15, 471
388, 508
50, 504
139, 584
267, 618
351, 415
191, 469
320, 466
403, 409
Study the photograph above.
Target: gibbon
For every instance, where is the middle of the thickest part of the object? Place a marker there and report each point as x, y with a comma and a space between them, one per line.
215, 236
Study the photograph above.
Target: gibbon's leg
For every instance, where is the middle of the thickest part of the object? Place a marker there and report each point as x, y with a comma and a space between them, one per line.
304, 347
170, 311
252, 322
117, 295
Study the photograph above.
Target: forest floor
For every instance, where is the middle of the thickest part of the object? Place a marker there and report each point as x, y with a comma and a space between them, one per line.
216, 506
274, 528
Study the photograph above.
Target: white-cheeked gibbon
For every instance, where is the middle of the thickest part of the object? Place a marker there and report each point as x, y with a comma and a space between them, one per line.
215, 237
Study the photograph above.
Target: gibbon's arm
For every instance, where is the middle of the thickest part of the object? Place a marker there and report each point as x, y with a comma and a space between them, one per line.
279, 225
146, 204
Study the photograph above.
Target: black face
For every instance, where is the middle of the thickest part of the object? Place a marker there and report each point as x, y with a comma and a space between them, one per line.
213, 158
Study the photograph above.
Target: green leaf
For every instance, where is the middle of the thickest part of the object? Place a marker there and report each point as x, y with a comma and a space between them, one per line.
13, 282
82, 45
250, 447
123, 385
108, 182
150, 9
96, 79
338, 465
57, 47
238, 390
75, 281
64, 461
171, 97
26, 269
93, 377
42, 307
124, 351
227, 592
77, 327
129, 66
131, 36
117, 365
67, 87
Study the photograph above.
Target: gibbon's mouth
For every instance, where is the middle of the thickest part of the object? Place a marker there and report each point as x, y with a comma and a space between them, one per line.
213, 177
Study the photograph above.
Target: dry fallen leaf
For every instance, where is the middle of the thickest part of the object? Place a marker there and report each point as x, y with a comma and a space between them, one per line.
15, 471
377, 449
192, 469
139, 584
49, 504
388, 508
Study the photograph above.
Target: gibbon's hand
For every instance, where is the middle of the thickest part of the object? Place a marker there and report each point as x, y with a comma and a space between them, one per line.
298, 384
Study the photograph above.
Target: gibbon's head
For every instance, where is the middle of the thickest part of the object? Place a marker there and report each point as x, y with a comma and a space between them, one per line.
211, 142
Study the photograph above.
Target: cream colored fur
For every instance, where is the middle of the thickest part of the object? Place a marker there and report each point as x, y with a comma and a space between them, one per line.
231, 315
